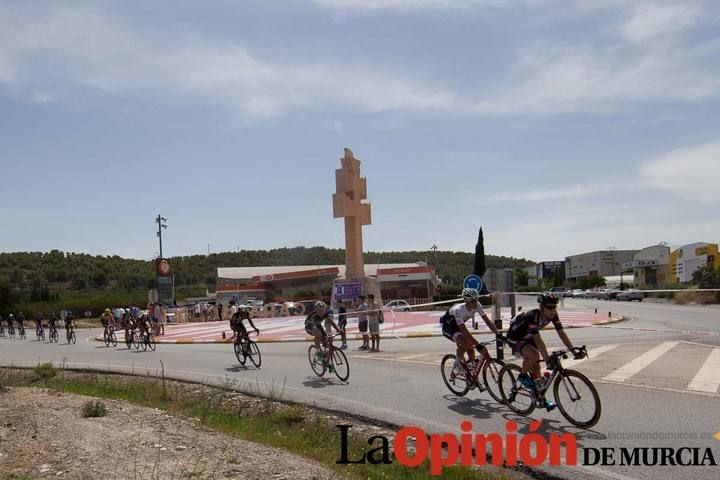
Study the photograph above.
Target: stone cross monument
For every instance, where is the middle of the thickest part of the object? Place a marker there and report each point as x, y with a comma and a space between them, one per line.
351, 190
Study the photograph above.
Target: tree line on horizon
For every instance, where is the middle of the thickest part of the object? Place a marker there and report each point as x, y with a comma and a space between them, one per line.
42, 276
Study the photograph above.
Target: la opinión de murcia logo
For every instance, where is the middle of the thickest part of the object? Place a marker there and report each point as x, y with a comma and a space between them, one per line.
412, 446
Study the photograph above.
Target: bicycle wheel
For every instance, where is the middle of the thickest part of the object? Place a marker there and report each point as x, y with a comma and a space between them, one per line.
455, 381
254, 353
113, 339
578, 400
106, 338
238, 347
73, 338
53, 336
340, 364
514, 395
151, 342
144, 342
136, 341
317, 365
491, 377
22, 333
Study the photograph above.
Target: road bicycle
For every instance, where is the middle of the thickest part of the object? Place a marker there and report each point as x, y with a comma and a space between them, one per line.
329, 357
109, 336
2, 329
461, 377
70, 335
53, 335
245, 348
21, 331
40, 333
575, 395
11, 330
148, 340
132, 339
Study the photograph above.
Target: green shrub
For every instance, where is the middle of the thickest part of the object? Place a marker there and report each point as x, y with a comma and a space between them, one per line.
94, 409
45, 371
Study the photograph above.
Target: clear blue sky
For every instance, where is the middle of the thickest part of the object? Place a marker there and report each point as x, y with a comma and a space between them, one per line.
560, 126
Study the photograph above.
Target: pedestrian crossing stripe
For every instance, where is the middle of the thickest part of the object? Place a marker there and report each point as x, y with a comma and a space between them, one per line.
639, 363
705, 382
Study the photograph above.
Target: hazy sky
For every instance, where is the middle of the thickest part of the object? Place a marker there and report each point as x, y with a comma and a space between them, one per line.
560, 126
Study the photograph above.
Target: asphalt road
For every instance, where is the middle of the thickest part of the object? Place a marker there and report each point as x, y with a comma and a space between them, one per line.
652, 407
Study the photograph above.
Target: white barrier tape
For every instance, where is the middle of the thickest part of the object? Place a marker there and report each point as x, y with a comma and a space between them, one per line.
644, 291
659, 330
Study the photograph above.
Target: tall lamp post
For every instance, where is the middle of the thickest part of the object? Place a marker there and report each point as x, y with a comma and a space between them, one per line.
162, 223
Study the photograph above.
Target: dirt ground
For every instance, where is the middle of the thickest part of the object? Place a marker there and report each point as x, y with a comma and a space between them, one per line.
43, 435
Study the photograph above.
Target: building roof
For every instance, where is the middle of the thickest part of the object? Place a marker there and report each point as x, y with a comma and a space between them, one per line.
246, 273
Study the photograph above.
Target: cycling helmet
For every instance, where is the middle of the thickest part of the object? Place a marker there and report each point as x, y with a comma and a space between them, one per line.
107, 310
547, 299
469, 294
320, 305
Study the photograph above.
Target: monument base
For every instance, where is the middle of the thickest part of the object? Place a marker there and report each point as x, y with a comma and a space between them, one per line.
347, 289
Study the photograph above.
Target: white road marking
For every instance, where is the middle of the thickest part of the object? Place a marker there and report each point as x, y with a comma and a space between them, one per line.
707, 378
592, 354
630, 369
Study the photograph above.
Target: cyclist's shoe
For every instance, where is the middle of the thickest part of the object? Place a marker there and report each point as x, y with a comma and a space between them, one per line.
526, 381
319, 357
549, 405
343, 346
331, 369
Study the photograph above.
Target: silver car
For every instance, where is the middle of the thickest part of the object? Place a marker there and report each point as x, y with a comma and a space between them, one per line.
630, 295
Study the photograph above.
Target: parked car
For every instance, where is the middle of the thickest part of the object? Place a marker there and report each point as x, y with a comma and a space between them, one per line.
631, 295
400, 305
608, 294
292, 308
559, 291
578, 293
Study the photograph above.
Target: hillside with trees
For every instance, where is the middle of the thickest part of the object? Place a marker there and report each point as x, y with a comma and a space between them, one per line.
29, 277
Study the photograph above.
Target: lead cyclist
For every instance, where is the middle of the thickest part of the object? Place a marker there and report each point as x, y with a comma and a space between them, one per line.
524, 338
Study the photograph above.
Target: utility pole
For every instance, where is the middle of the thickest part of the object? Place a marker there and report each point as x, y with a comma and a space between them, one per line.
161, 221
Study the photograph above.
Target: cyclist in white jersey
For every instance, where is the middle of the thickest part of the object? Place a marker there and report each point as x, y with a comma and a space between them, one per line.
454, 328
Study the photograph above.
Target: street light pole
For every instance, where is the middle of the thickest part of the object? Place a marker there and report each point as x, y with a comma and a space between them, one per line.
161, 221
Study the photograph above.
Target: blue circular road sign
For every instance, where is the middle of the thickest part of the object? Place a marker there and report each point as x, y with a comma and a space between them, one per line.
473, 281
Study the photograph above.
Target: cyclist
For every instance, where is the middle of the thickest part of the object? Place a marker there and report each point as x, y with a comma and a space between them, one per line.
2, 329
314, 325
39, 324
69, 323
52, 321
11, 325
241, 314
455, 330
128, 323
144, 325
21, 323
108, 321
524, 338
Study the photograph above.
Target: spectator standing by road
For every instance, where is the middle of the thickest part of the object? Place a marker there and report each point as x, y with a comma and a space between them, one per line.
374, 323
363, 322
342, 323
